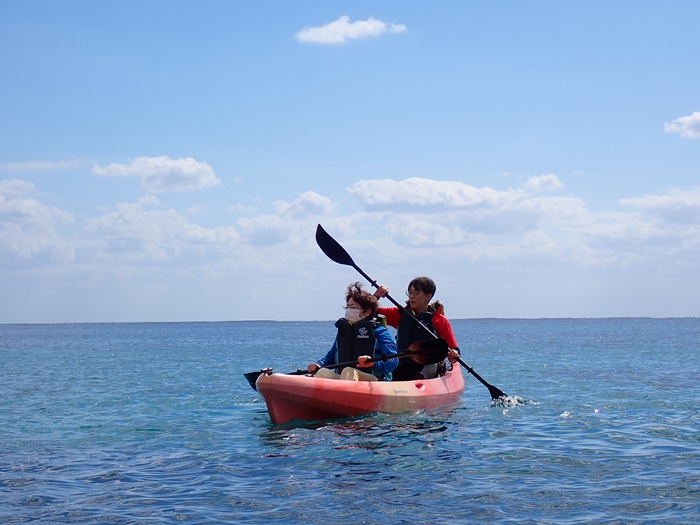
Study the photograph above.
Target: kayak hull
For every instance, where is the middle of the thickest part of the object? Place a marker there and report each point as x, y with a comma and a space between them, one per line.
305, 398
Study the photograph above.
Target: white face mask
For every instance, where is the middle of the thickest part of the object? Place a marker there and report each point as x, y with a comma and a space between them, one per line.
353, 315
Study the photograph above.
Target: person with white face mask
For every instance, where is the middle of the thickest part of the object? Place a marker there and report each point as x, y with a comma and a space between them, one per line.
361, 337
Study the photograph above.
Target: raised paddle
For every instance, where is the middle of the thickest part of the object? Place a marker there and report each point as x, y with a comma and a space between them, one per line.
337, 253
423, 352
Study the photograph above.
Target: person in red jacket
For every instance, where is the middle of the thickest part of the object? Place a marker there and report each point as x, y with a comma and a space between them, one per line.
420, 292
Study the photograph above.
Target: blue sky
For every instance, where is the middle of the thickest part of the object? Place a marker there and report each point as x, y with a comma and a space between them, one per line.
169, 161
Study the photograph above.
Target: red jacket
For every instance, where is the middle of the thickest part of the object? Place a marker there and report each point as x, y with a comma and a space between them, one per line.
442, 326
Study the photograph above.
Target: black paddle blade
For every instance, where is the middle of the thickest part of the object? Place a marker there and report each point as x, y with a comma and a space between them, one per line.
252, 377
429, 352
496, 393
331, 248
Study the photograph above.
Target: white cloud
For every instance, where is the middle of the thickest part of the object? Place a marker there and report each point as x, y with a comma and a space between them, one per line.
27, 226
161, 174
480, 224
149, 200
308, 204
341, 30
153, 235
543, 183
421, 192
444, 228
39, 165
291, 218
15, 187
241, 208
688, 127
674, 199
682, 206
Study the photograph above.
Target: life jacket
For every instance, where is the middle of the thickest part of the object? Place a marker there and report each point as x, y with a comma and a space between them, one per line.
354, 340
408, 332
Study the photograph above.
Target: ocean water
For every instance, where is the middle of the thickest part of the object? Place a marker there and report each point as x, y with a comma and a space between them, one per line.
155, 423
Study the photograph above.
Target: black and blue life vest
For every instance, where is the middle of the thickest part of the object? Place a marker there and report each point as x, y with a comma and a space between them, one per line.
354, 340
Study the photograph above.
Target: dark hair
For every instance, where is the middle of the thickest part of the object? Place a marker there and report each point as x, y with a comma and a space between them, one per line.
423, 284
366, 300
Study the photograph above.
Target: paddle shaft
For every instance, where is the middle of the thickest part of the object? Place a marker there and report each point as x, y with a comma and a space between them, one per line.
436, 357
430, 354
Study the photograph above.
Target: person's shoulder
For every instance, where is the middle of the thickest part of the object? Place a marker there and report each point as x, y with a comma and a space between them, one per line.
441, 316
382, 331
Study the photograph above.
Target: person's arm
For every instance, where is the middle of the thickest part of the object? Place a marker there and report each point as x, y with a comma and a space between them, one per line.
443, 329
328, 359
392, 314
387, 347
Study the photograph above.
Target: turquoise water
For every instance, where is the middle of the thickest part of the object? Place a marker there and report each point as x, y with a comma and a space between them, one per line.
155, 423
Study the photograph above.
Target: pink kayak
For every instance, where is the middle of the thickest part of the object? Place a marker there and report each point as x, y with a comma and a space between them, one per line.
305, 398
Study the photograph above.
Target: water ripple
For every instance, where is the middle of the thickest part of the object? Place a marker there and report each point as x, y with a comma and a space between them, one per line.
148, 424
